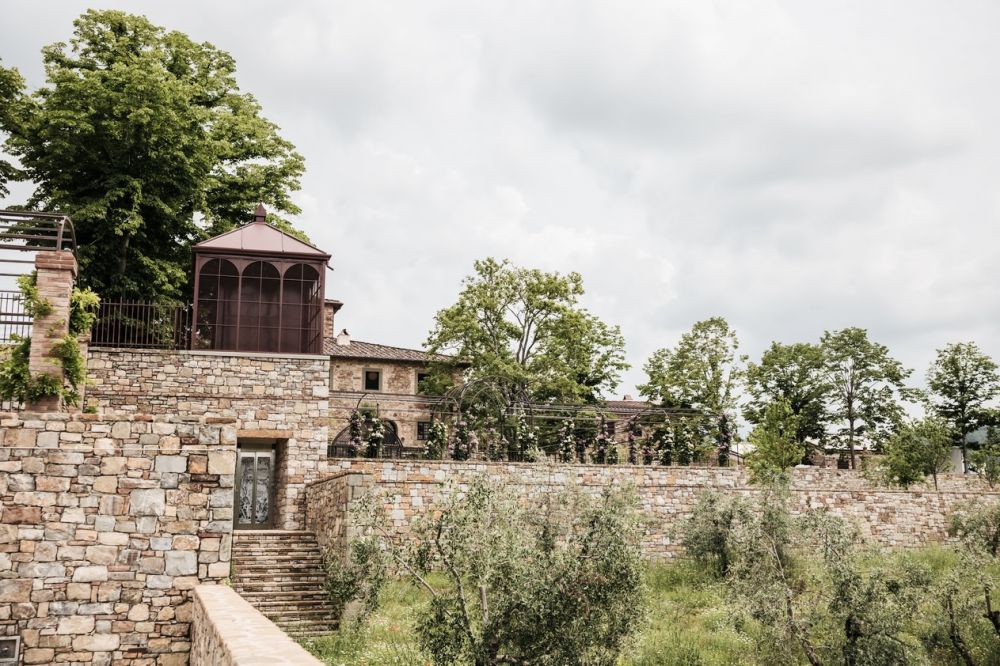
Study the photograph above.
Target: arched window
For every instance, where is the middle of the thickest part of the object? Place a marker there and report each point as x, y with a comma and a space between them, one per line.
301, 308
218, 303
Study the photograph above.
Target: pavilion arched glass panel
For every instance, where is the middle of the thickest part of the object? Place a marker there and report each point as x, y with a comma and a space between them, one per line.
301, 310
218, 305
260, 297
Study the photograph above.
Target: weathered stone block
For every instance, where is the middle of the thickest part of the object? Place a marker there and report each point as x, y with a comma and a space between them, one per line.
90, 574
78, 624
106, 484
147, 502
97, 643
181, 563
221, 462
16, 590
101, 554
22, 515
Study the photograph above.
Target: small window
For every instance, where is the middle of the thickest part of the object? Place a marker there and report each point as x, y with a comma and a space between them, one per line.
421, 378
373, 380
423, 431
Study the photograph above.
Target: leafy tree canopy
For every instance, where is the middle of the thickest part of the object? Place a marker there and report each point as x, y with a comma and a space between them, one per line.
525, 328
920, 449
776, 447
701, 372
794, 374
139, 134
866, 385
962, 379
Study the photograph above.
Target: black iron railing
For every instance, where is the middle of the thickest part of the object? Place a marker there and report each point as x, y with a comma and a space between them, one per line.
132, 325
14, 321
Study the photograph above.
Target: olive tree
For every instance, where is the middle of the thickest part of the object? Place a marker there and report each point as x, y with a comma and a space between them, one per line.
553, 583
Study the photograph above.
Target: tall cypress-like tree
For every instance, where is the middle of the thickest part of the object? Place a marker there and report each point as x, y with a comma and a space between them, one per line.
143, 136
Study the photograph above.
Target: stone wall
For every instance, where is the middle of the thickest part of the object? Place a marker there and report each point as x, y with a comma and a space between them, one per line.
107, 524
270, 397
228, 631
888, 516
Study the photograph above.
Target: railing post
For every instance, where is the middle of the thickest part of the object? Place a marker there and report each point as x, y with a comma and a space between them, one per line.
56, 272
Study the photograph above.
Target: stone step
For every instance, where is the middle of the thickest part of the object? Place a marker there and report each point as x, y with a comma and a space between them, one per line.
283, 568
280, 556
281, 574
278, 574
281, 595
266, 603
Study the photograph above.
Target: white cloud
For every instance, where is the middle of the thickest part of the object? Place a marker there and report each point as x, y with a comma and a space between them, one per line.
793, 166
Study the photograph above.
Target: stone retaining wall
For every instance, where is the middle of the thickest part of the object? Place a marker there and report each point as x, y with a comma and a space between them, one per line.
892, 517
228, 631
270, 397
107, 524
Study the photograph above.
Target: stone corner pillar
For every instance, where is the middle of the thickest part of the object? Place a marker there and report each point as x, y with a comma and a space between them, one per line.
56, 275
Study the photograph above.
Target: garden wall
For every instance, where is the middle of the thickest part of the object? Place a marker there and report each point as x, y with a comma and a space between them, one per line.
107, 524
227, 631
892, 517
283, 398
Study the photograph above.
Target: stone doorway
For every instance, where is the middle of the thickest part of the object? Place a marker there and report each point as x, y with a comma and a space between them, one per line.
254, 488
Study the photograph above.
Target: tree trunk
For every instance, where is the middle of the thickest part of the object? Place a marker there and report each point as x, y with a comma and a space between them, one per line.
956, 636
850, 440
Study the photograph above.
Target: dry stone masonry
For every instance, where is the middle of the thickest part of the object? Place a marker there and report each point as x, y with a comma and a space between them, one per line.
893, 517
108, 523
270, 397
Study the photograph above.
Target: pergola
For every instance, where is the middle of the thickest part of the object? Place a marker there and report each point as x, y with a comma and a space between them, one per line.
258, 289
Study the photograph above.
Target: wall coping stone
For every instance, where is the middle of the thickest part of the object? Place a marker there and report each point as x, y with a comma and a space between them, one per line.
813, 481
204, 352
229, 631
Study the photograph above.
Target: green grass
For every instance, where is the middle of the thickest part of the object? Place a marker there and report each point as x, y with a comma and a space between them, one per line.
688, 623
388, 638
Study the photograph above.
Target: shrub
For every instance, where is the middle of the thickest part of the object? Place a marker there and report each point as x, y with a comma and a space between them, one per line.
708, 533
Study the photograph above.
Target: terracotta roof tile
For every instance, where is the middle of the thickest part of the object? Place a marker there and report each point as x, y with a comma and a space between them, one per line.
359, 349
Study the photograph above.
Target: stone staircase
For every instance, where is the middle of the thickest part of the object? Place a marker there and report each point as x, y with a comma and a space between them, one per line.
280, 573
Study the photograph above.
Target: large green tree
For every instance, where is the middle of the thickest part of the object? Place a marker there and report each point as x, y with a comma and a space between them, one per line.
792, 374
11, 87
143, 136
866, 386
525, 329
962, 380
702, 372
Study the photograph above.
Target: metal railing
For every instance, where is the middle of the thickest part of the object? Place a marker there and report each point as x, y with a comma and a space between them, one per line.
14, 321
134, 325
27, 231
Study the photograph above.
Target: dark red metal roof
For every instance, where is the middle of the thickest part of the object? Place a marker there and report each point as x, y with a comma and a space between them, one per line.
259, 237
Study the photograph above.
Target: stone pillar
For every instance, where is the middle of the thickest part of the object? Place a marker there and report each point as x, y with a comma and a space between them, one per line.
56, 274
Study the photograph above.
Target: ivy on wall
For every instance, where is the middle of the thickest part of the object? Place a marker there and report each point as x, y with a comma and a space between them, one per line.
17, 383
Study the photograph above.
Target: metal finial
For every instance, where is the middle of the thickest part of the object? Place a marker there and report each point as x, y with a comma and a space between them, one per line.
260, 214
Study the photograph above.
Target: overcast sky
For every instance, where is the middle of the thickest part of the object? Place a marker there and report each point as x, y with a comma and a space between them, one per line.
792, 166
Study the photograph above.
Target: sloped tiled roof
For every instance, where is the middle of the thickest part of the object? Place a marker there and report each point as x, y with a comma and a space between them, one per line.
627, 405
258, 236
371, 350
